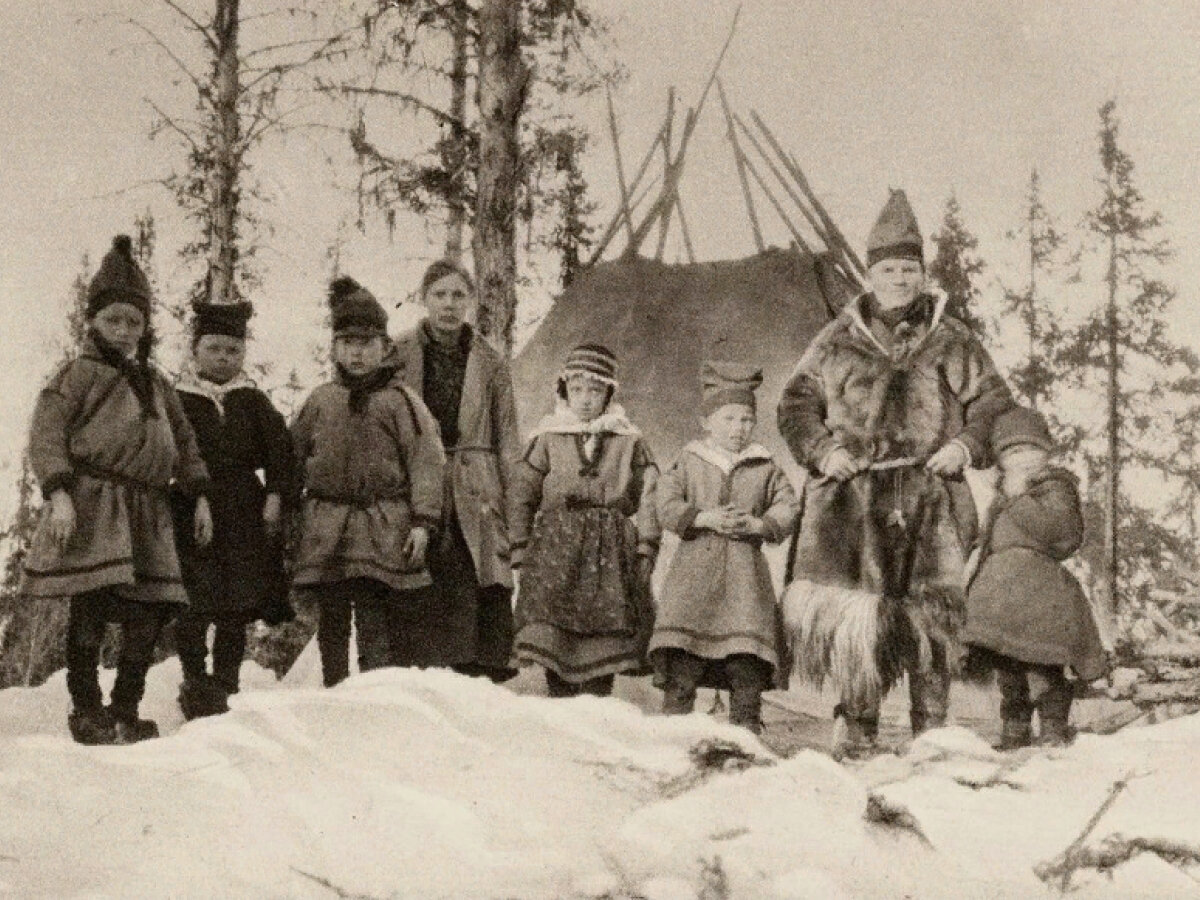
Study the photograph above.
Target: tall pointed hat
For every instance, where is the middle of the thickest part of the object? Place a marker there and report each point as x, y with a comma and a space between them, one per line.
119, 280
895, 234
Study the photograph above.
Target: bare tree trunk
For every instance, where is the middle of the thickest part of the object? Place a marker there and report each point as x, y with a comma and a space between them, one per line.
1033, 264
226, 152
503, 77
456, 154
1113, 476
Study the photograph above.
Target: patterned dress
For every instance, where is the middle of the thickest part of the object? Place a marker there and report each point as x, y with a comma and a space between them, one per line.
583, 513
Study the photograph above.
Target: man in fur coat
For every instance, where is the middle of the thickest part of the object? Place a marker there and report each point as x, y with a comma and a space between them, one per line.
887, 406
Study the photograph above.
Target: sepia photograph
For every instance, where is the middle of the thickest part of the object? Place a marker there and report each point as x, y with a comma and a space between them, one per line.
600, 449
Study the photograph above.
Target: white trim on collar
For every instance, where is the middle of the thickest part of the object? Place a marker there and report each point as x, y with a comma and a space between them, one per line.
726, 462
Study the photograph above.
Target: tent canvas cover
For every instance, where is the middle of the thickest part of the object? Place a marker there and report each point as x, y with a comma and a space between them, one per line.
663, 320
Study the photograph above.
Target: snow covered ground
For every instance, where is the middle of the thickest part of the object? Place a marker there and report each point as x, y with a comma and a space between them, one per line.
427, 785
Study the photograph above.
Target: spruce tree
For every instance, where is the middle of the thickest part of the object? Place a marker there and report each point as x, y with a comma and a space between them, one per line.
956, 267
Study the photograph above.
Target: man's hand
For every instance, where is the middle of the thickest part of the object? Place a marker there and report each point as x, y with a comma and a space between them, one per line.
839, 465
62, 518
416, 545
950, 460
203, 523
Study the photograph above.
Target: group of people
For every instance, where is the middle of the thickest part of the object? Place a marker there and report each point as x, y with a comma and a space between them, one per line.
402, 500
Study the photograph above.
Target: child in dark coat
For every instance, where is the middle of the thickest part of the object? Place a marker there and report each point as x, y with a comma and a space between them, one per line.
1027, 616
718, 622
239, 577
584, 535
372, 467
108, 437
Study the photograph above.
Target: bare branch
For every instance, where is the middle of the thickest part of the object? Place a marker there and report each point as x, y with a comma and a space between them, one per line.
171, 123
195, 79
403, 97
187, 17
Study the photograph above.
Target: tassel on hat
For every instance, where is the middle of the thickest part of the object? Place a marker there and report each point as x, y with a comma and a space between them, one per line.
228, 319
725, 382
119, 280
1020, 425
594, 361
895, 234
355, 311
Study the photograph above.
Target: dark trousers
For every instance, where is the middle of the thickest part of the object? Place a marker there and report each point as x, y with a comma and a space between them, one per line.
378, 616
229, 648
141, 624
600, 686
747, 676
1025, 687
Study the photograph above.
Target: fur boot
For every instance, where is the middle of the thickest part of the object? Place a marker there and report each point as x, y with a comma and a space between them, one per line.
202, 696
93, 727
1014, 734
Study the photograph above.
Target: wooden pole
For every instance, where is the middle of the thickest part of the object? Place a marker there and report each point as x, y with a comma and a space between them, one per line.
795, 171
810, 217
775, 203
612, 125
610, 230
664, 222
741, 170
683, 228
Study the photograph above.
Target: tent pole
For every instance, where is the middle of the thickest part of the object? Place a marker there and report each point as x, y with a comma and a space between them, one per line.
775, 203
687, 234
810, 217
796, 173
612, 124
664, 222
610, 230
741, 170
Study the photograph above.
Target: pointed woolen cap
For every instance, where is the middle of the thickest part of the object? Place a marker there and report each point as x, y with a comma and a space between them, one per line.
895, 234
119, 280
728, 382
354, 310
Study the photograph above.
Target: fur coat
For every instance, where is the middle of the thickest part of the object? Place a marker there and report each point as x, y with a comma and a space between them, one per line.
878, 560
1021, 602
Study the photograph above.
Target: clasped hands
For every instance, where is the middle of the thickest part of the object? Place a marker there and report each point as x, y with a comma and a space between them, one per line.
730, 521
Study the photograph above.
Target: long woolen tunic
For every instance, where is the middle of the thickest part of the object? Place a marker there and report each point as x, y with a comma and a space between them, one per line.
1021, 602
90, 436
368, 477
887, 546
240, 573
582, 610
468, 389
718, 599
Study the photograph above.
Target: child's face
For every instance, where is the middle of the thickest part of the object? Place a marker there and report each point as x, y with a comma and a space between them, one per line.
358, 354
1018, 464
448, 301
586, 397
219, 357
122, 325
731, 426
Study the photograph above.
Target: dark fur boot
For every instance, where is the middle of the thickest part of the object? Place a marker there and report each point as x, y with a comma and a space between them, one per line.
1014, 734
202, 697
93, 727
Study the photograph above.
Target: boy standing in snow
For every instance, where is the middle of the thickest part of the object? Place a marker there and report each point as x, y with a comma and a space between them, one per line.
239, 577
583, 608
108, 437
372, 465
1027, 616
718, 621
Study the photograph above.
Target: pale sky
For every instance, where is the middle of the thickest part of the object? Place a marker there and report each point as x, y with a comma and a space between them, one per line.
934, 97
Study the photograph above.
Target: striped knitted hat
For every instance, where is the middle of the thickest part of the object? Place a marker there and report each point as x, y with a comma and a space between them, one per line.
593, 361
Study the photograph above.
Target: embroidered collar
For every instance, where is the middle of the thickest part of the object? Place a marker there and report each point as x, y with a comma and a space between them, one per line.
190, 381
563, 421
724, 460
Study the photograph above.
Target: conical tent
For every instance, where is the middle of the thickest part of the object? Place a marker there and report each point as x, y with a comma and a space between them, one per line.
663, 320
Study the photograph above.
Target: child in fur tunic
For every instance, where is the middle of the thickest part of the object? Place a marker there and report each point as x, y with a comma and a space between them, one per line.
1027, 616
718, 621
372, 464
583, 607
239, 577
108, 438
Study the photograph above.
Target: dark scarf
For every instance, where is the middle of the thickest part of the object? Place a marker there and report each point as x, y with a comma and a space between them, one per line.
443, 376
918, 312
136, 371
363, 386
